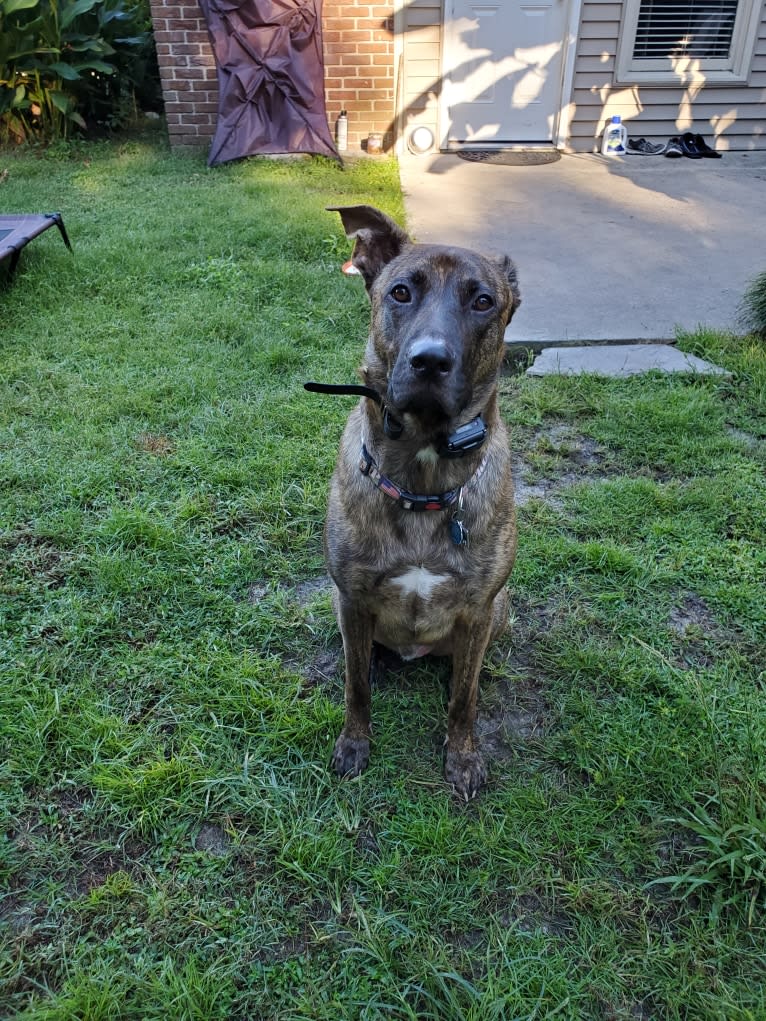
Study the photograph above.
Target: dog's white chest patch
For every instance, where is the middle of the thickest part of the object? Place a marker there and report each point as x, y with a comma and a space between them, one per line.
419, 581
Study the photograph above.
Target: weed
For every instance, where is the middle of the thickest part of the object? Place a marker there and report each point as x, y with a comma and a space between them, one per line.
729, 860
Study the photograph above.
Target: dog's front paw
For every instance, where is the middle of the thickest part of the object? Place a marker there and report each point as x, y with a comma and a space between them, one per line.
350, 756
466, 772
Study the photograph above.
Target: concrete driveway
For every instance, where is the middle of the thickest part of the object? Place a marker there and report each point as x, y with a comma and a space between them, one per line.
607, 249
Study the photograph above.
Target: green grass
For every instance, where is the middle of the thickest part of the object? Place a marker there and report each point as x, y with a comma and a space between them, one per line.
173, 845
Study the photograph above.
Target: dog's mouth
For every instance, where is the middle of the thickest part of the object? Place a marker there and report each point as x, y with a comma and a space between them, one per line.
431, 406
434, 401
427, 381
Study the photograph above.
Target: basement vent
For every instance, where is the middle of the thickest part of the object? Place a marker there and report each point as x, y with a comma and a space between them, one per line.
685, 28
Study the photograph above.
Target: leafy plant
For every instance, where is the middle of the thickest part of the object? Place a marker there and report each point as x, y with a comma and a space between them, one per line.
730, 860
55, 57
753, 307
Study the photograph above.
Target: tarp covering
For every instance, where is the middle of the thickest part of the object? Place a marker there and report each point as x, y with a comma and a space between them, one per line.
270, 78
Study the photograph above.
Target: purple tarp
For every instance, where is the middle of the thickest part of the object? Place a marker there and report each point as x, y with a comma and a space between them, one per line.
270, 78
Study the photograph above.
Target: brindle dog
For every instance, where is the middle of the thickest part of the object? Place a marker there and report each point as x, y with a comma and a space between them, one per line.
420, 536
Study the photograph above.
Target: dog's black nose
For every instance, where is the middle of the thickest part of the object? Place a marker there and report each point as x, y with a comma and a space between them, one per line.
430, 358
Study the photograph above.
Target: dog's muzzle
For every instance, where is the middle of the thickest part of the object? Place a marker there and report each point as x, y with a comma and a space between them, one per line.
427, 378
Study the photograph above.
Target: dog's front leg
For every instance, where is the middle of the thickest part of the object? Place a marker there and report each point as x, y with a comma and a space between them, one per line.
463, 765
352, 749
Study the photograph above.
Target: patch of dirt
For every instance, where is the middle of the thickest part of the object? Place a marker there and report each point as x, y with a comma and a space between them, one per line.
698, 631
257, 591
692, 615
213, 840
306, 591
155, 443
65, 817
100, 866
526, 491
34, 557
516, 717
302, 592
529, 622
531, 912
564, 456
325, 670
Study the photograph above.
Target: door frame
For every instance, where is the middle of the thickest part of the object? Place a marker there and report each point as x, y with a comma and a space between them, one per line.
562, 116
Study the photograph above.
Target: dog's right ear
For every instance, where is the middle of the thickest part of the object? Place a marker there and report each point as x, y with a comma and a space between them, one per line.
378, 238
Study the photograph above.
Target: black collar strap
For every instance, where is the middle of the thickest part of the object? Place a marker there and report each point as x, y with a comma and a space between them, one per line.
392, 428
412, 501
462, 441
354, 389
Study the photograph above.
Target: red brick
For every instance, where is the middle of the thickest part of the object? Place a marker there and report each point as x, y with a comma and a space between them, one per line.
185, 49
190, 73
384, 49
356, 37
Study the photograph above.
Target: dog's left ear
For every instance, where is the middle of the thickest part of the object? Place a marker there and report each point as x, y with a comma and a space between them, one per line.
378, 238
508, 269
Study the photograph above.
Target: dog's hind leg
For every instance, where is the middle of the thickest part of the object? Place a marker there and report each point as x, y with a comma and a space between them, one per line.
352, 749
463, 765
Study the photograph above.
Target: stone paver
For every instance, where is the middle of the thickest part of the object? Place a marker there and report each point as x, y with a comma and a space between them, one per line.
618, 360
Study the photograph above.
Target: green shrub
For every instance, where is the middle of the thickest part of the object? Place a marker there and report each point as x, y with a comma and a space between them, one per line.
753, 309
68, 65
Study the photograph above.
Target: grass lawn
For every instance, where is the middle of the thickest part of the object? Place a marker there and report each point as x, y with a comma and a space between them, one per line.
173, 845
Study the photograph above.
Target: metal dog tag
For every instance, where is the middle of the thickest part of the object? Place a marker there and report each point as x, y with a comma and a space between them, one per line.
457, 531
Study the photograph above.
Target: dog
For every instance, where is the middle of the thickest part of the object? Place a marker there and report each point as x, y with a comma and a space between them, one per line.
420, 535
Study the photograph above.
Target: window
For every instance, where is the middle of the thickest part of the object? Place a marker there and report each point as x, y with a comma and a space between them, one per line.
664, 41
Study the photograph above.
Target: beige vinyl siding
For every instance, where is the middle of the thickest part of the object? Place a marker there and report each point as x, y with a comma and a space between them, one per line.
421, 33
732, 116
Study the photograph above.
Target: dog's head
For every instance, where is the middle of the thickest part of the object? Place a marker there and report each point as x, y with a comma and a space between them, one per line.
438, 318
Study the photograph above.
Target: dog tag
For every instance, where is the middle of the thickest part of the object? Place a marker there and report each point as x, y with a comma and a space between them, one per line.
458, 533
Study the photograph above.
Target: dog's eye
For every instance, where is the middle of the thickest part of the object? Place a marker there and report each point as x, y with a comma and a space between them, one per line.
483, 303
401, 294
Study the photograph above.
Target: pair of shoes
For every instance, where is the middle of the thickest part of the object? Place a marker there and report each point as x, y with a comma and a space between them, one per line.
696, 147
690, 145
641, 147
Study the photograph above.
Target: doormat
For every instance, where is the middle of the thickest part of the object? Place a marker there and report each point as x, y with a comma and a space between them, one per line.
511, 157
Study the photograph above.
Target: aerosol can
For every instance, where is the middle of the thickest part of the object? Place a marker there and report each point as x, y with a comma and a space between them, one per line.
341, 131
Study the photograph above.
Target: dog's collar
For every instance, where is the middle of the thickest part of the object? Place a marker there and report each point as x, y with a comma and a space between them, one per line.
414, 501
462, 441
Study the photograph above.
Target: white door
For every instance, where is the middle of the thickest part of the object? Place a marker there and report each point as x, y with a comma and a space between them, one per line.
501, 71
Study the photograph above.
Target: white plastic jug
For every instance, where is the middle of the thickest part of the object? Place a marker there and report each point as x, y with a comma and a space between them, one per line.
615, 138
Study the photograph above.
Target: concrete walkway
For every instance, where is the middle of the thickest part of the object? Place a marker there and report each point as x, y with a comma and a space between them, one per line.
608, 250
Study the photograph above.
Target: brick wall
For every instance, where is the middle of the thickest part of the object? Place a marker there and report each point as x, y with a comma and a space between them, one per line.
359, 70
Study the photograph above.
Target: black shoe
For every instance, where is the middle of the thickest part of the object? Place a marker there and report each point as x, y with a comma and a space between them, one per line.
689, 146
705, 150
673, 148
641, 147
